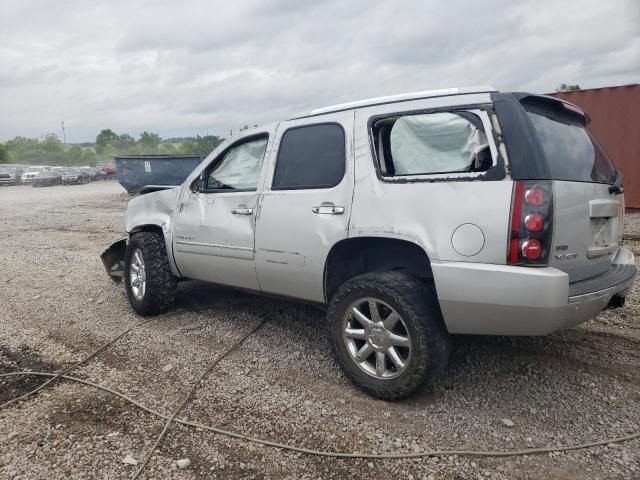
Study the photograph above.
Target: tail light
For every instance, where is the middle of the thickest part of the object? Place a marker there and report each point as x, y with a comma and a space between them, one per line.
531, 223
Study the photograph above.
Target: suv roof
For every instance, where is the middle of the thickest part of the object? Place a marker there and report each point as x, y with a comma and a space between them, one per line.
401, 97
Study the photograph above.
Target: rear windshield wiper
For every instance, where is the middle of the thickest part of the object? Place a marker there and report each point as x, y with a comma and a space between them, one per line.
616, 183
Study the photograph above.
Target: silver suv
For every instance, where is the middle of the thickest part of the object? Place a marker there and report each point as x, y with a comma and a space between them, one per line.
410, 218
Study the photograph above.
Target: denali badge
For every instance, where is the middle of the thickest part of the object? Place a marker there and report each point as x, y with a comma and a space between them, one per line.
565, 256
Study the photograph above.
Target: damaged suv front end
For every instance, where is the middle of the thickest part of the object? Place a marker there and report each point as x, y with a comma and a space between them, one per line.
151, 210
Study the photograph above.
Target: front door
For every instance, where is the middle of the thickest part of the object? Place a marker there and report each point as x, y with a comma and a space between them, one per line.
215, 224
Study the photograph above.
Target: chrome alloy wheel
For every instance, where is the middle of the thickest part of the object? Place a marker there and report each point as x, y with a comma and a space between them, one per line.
377, 338
138, 275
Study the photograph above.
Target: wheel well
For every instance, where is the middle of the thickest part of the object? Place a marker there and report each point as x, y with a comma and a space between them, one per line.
355, 256
147, 228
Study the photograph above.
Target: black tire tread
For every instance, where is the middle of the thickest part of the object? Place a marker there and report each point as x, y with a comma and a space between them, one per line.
432, 338
161, 283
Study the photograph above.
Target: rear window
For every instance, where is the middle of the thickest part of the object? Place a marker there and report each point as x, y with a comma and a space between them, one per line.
572, 153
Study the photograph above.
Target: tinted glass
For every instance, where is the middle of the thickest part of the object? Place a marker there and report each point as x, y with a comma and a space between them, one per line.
239, 169
572, 153
436, 143
310, 157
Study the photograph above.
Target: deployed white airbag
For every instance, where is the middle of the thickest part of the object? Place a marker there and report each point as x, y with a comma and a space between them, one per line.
434, 143
240, 168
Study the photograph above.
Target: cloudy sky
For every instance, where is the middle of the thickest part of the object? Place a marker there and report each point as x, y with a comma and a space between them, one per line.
205, 66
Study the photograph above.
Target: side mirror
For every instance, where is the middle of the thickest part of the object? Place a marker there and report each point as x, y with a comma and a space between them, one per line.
198, 184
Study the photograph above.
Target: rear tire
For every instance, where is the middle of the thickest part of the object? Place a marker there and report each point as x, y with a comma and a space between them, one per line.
406, 348
149, 282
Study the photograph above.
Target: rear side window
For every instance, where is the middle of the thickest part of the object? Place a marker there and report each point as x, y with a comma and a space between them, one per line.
432, 143
310, 157
571, 151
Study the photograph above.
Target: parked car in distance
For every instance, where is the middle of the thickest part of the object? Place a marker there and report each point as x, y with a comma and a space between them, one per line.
31, 173
8, 177
75, 177
408, 218
108, 172
47, 179
92, 172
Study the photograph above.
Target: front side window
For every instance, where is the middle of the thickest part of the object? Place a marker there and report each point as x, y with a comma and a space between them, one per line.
239, 168
310, 157
432, 143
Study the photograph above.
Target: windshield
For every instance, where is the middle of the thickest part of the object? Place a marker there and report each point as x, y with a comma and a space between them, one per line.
573, 154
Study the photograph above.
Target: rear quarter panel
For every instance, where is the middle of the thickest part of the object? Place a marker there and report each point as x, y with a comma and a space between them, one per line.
429, 212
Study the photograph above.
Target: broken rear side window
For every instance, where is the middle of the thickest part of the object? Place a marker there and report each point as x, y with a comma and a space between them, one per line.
431, 143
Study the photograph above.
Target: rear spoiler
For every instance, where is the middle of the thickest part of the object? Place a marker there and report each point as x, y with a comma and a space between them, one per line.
555, 102
527, 160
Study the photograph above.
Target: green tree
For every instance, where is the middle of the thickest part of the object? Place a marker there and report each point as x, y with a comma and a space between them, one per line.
202, 146
108, 152
104, 138
125, 143
563, 87
89, 157
22, 149
4, 154
75, 154
51, 143
149, 141
188, 147
168, 149
25, 150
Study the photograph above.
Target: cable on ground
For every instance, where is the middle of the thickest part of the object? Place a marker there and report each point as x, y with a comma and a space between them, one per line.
189, 394
86, 359
246, 438
322, 453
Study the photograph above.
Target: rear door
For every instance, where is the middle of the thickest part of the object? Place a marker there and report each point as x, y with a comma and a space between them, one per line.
305, 206
588, 212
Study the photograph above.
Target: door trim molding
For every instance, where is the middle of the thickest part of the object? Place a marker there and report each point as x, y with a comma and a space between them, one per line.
215, 249
213, 245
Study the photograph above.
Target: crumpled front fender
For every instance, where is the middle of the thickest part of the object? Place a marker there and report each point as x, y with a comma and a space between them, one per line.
113, 260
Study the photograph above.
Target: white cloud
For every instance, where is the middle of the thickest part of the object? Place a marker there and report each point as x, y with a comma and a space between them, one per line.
205, 67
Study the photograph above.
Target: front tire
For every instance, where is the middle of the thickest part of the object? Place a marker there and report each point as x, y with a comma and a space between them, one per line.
388, 333
149, 282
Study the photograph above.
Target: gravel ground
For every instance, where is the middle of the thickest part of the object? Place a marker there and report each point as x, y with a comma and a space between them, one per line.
283, 384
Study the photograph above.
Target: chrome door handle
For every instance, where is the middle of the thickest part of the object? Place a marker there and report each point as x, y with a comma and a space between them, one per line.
242, 210
328, 209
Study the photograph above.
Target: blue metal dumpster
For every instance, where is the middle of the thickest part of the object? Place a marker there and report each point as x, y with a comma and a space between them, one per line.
136, 171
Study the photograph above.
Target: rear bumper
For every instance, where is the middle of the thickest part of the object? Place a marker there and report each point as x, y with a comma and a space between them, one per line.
505, 300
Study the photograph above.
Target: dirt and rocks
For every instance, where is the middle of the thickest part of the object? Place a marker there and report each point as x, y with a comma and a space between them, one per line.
283, 384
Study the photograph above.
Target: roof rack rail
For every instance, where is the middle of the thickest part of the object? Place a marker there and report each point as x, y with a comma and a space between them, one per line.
403, 97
